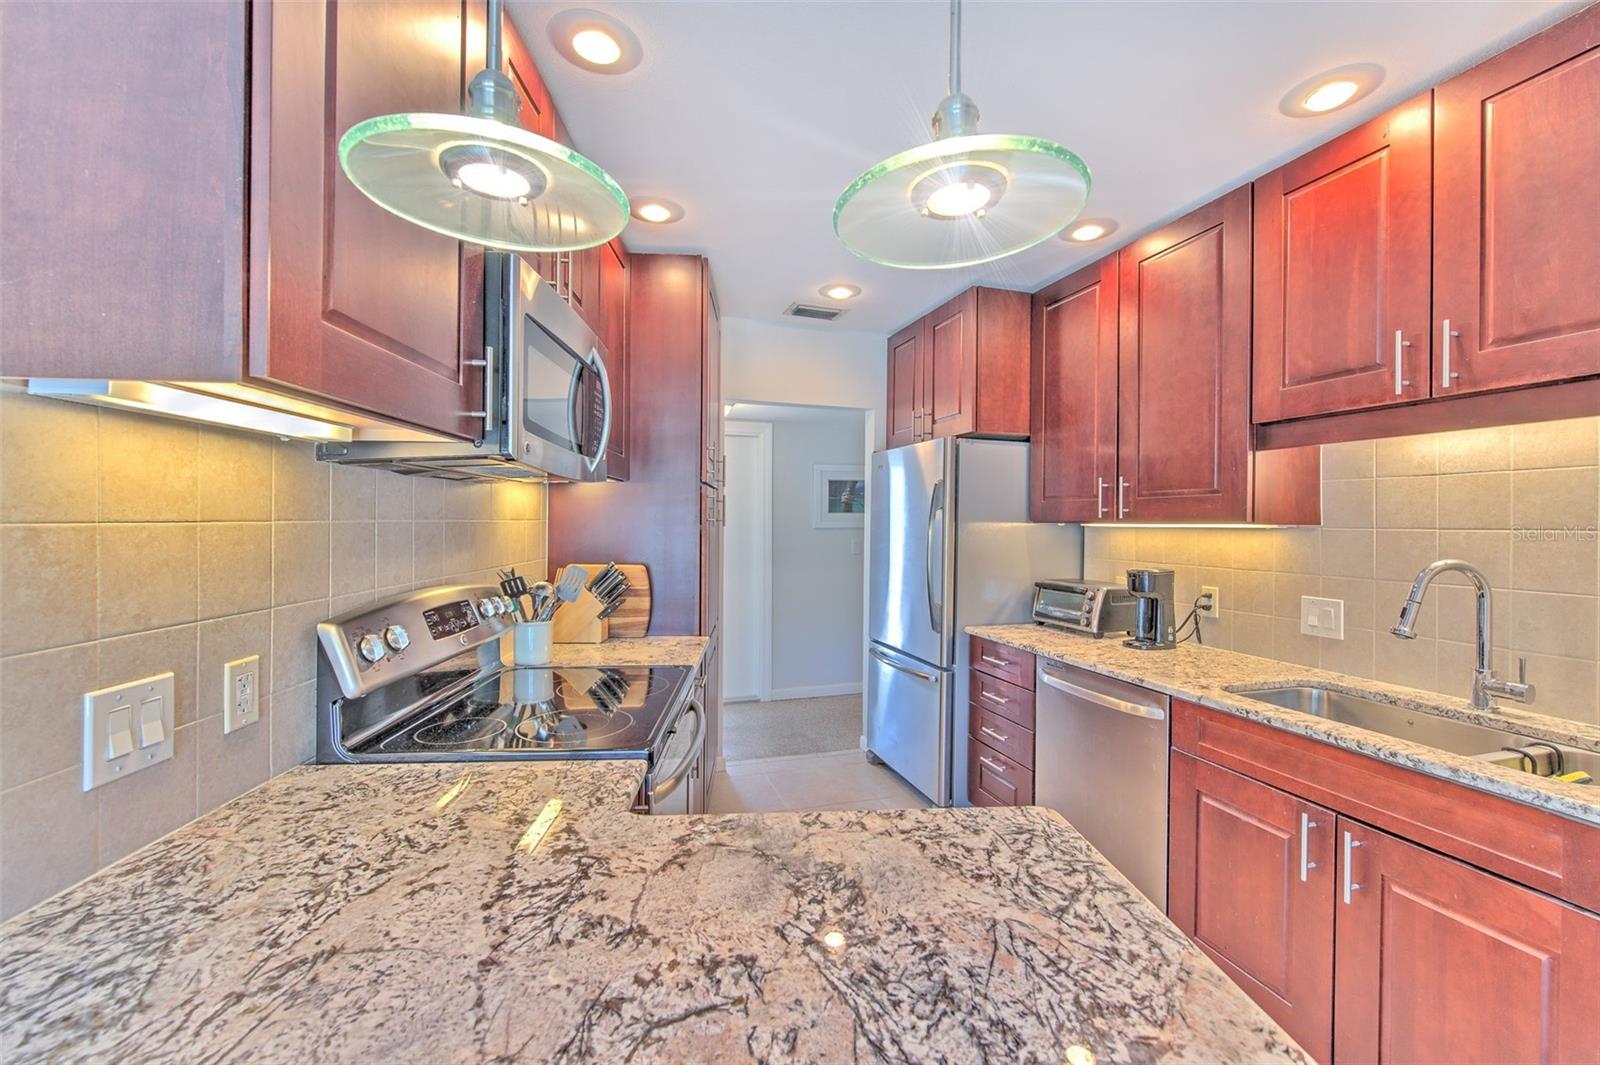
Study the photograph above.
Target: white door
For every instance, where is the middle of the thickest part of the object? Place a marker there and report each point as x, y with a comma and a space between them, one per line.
746, 551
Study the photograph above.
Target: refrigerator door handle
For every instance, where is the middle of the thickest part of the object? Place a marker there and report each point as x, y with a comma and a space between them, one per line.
892, 664
935, 606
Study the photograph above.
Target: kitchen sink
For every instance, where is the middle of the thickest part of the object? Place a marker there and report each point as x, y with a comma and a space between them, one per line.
1531, 755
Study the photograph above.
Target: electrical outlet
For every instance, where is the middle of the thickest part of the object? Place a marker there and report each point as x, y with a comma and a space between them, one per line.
126, 728
1322, 617
1213, 608
241, 693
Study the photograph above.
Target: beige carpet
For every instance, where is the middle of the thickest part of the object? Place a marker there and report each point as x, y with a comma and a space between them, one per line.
791, 726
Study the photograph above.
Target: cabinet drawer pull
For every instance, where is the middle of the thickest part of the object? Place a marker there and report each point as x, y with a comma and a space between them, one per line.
1350, 886
993, 735
1400, 344
992, 697
1002, 770
1306, 864
996, 661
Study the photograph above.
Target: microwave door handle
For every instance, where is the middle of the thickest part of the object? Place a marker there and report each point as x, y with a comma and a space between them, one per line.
572, 406
605, 426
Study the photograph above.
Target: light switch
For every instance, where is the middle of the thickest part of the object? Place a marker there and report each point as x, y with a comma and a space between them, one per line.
119, 733
152, 721
1322, 617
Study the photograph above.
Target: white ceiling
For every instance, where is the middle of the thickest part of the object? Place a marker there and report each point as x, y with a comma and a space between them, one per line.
755, 115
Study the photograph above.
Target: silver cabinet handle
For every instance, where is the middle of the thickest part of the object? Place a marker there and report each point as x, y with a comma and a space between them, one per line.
892, 664
993, 735
992, 697
1350, 886
1306, 864
935, 608
1400, 344
995, 661
1446, 375
1122, 488
1110, 702
998, 768
1099, 497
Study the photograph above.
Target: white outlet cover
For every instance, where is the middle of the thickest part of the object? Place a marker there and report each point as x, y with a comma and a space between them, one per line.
1322, 617
1216, 601
143, 711
241, 693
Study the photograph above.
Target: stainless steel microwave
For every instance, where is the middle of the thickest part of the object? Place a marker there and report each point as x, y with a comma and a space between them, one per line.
547, 399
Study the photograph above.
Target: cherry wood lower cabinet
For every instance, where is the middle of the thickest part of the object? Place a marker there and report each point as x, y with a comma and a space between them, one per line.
1000, 717
960, 369
1252, 884
1288, 867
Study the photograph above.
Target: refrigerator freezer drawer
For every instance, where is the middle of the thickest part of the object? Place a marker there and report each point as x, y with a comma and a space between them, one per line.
908, 720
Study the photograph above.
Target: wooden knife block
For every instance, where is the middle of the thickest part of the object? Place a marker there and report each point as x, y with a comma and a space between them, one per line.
579, 621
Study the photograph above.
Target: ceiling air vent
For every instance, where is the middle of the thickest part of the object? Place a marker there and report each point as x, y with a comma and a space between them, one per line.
806, 310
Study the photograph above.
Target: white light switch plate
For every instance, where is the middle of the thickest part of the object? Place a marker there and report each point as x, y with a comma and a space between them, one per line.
127, 728
1322, 617
241, 693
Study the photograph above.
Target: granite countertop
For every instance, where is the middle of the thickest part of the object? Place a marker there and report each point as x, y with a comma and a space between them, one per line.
648, 651
445, 913
1220, 679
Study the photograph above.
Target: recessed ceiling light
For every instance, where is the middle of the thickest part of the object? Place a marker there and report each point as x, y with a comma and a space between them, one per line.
595, 41
657, 211
840, 292
1331, 90
1090, 229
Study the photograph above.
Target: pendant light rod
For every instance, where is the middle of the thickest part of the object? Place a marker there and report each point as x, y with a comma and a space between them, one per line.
955, 47
493, 57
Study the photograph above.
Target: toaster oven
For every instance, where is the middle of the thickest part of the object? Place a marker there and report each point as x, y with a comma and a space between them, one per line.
1093, 608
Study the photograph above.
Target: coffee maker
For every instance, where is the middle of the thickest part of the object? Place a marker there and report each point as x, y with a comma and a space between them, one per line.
1154, 618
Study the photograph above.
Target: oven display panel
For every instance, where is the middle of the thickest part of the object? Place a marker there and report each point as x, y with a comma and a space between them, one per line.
450, 620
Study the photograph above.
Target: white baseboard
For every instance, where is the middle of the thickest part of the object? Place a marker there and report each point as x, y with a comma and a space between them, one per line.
817, 691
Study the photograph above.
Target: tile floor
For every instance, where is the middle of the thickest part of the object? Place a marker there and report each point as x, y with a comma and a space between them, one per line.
843, 780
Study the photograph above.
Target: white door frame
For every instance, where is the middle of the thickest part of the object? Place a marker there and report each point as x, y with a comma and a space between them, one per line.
761, 432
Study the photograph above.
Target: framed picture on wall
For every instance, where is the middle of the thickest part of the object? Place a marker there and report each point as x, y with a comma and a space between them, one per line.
838, 497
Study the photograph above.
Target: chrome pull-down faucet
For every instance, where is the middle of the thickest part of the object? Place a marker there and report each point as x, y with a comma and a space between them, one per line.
1485, 685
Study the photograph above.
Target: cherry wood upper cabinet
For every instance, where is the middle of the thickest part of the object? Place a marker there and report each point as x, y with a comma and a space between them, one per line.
961, 369
1438, 961
1074, 407
363, 305
905, 386
1516, 228
715, 461
1183, 438
1342, 256
614, 334
1252, 883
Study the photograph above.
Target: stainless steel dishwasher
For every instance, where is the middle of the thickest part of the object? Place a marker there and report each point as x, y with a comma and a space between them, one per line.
1102, 764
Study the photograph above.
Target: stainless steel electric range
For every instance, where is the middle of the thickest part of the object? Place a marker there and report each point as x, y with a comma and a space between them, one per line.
422, 678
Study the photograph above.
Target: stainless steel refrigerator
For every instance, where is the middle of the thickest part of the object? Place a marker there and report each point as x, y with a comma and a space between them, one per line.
951, 546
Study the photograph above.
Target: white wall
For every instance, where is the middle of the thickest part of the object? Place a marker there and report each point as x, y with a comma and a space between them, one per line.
767, 363
817, 580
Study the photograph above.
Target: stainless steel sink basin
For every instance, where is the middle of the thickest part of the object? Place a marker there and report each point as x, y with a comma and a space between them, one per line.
1532, 755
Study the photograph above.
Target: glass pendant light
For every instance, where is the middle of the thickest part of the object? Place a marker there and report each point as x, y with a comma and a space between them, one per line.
481, 177
964, 198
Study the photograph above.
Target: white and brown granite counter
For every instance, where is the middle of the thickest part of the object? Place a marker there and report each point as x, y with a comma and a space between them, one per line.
447, 913
647, 651
1222, 679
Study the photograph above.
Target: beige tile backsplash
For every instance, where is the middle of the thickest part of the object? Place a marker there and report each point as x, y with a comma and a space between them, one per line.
132, 545
1521, 503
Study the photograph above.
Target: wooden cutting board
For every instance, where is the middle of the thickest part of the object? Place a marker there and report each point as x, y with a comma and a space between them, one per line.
632, 619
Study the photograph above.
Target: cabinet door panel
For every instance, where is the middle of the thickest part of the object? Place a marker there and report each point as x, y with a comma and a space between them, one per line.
1074, 407
364, 306
1517, 234
1244, 890
951, 375
905, 386
1183, 436
1342, 255
1439, 961
715, 459
614, 334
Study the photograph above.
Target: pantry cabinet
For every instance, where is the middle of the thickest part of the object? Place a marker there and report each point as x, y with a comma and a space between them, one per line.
1379, 914
1342, 255
1516, 267
614, 334
961, 369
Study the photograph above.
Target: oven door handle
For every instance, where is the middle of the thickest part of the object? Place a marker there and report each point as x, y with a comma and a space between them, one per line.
664, 786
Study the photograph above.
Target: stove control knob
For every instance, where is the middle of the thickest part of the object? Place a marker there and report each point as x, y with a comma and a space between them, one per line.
487, 608
397, 637
372, 648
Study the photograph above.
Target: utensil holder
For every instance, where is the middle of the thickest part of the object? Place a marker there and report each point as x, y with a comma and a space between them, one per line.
530, 644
